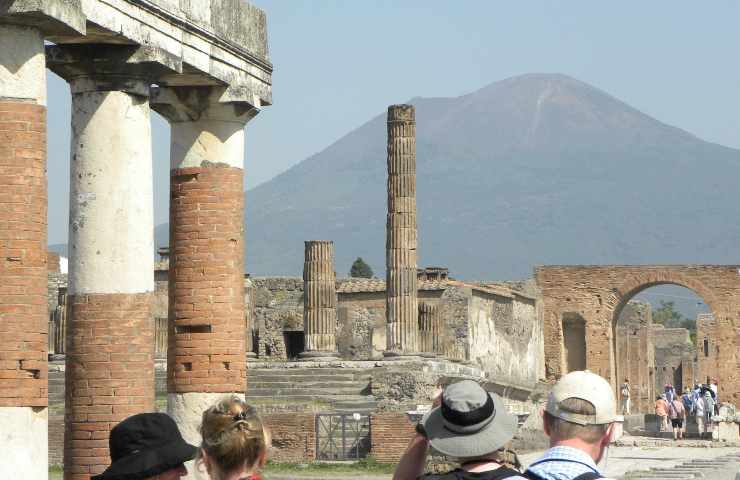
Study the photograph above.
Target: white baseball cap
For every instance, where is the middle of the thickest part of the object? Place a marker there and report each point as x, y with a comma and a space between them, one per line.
586, 386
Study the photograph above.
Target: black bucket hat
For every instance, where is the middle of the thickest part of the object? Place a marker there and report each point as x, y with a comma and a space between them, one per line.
469, 423
145, 445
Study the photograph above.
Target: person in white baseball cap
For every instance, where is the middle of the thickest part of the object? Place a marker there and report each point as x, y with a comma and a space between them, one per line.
578, 418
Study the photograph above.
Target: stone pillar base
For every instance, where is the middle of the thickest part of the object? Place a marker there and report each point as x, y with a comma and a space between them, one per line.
402, 356
318, 356
187, 411
24, 443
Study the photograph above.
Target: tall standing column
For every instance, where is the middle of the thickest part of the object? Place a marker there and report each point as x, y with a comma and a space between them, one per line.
23, 277
319, 301
401, 301
207, 336
110, 332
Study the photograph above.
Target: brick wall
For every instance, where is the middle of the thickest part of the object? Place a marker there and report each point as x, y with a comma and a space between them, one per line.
206, 350
109, 373
598, 294
23, 262
390, 434
293, 437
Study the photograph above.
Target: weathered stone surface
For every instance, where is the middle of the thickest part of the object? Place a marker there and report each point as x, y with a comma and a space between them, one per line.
599, 293
402, 336
319, 299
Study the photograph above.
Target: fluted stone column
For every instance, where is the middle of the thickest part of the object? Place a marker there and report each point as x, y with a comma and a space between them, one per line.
319, 301
206, 355
429, 329
401, 301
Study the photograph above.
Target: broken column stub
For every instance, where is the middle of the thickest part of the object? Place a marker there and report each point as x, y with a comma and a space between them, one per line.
319, 301
401, 281
110, 335
429, 329
207, 334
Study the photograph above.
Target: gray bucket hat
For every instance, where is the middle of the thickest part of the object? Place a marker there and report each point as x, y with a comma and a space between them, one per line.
469, 423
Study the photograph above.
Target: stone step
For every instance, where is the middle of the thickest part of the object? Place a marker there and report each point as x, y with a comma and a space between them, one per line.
322, 385
300, 390
298, 376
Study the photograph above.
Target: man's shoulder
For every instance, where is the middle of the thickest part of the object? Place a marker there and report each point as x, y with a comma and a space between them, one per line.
458, 474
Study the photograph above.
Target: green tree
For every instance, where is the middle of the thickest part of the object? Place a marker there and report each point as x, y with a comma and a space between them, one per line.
668, 316
360, 269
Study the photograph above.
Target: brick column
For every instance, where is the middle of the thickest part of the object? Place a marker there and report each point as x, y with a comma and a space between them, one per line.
401, 302
23, 274
429, 329
206, 357
319, 301
110, 332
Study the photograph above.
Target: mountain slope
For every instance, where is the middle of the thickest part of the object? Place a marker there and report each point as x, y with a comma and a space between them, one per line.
536, 169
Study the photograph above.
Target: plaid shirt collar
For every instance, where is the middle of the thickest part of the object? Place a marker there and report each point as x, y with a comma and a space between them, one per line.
563, 463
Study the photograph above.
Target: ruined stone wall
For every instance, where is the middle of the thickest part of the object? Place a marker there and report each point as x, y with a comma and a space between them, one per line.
293, 436
598, 293
278, 307
455, 326
706, 346
636, 354
504, 337
673, 352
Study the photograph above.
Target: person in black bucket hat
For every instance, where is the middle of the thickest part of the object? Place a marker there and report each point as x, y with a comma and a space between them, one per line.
147, 446
469, 425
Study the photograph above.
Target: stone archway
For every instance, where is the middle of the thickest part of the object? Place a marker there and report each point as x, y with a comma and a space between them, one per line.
598, 294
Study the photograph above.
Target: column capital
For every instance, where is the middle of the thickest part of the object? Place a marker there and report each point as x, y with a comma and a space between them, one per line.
190, 104
51, 17
103, 68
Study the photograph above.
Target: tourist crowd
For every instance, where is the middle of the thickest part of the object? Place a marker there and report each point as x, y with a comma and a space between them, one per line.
701, 402
466, 423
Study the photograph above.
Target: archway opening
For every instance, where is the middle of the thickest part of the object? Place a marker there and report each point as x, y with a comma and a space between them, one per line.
574, 341
659, 335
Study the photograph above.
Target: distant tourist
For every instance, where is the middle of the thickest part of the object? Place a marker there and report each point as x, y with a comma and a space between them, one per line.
669, 392
147, 446
688, 401
625, 393
661, 410
715, 390
699, 415
235, 442
468, 424
677, 413
709, 405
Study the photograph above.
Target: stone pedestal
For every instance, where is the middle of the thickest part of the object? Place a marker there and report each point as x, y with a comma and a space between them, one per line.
319, 301
401, 285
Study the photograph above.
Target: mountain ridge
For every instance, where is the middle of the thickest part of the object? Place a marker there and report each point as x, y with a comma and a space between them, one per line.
535, 169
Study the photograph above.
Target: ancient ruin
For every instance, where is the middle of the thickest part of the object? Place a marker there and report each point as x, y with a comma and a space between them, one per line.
581, 305
319, 301
401, 310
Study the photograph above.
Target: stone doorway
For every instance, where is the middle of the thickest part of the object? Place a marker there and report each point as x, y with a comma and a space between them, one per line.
574, 341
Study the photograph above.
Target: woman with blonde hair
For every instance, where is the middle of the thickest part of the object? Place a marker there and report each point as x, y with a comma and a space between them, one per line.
235, 442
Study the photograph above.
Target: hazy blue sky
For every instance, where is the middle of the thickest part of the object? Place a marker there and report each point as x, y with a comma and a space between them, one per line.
338, 63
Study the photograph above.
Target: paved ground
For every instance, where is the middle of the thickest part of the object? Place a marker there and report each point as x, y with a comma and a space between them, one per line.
678, 461
624, 459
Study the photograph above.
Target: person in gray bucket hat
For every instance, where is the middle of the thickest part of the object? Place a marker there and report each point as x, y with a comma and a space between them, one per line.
468, 424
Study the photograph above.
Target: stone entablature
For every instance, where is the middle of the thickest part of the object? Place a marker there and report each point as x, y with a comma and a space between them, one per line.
597, 294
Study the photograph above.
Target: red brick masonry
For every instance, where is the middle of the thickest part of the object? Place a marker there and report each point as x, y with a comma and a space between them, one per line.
23, 302
109, 374
390, 434
206, 350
